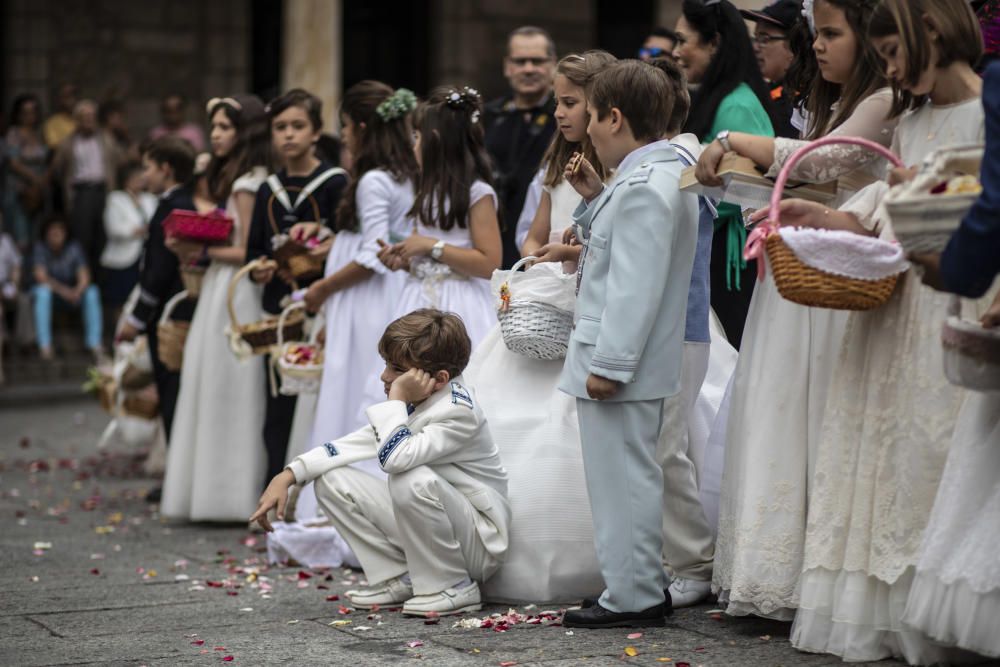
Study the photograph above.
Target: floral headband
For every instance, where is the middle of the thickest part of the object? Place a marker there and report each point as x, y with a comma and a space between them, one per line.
216, 101
467, 99
400, 103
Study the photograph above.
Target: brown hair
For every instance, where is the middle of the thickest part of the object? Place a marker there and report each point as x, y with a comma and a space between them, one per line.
175, 152
678, 83
578, 69
428, 339
252, 148
297, 97
640, 91
531, 31
385, 144
452, 157
960, 38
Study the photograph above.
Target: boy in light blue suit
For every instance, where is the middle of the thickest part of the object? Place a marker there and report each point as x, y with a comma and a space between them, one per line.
624, 359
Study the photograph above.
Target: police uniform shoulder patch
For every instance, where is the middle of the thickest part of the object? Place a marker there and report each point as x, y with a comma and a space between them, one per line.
330, 448
460, 395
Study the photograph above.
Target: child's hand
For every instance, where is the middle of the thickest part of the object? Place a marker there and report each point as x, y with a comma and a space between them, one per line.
315, 296
186, 251
708, 165
275, 495
303, 231
931, 264
412, 386
601, 389
569, 236
991, 318
583, 177
415, 245
557, 252
264, 273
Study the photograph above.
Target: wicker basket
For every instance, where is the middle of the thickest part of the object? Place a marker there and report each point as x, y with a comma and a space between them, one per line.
298, 378
971, 352
292, 255
140, 405
210, 228
532, 328
796, 280
171, 334
192, 277
263, 335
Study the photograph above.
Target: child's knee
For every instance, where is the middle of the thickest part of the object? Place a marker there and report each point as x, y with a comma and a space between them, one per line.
336, 484
416, 484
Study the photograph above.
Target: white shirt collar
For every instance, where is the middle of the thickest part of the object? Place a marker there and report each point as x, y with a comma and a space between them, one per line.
169, 191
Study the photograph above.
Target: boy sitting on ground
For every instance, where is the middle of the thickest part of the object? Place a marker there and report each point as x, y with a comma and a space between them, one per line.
440, 523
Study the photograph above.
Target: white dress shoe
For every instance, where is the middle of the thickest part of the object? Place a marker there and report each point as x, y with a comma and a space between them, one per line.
688, 592
447, 602
388, 593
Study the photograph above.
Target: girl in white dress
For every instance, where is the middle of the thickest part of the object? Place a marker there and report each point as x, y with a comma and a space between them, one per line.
551, 557
215, 461
455, 245
890, 411
770, 421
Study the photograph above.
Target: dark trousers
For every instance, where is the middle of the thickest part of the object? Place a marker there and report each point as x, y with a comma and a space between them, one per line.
279, 411
168, 383
730, 305
86, 219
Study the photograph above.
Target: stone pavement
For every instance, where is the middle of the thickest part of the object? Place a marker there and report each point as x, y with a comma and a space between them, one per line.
91, 575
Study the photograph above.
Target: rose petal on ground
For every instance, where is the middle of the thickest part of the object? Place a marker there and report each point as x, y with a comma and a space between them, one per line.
94, 570
228, 658
343, 611
198, 642
664, 660
337, 624
569, 633
414, 644
292, 622
635, 635
332, 598
246, 608
631, 651
508, 663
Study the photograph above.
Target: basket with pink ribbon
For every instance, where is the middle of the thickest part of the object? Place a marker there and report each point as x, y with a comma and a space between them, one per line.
825, 268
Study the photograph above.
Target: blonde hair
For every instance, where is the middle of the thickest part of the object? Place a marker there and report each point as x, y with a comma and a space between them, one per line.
579, 69
429, 339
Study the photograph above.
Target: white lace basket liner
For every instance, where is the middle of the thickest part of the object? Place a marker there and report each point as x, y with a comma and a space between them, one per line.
535, 309
971, 352
923, 222
297, 378
845, 253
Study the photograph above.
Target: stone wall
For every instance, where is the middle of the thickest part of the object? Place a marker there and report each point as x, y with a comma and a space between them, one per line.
134, 50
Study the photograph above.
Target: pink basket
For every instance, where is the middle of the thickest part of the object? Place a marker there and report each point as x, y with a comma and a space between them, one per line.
193, 226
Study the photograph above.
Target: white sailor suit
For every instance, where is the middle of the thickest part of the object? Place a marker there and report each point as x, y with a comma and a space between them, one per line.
639, 240
442, 515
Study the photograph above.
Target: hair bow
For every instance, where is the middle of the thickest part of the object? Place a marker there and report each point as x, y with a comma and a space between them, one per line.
216, 101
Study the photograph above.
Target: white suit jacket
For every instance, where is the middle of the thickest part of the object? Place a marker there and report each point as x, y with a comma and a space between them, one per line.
448, 433
639, 239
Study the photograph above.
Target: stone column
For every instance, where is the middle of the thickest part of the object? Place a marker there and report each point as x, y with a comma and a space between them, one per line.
312, 53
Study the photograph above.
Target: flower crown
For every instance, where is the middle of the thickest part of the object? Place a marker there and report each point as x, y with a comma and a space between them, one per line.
467, 99
400, 103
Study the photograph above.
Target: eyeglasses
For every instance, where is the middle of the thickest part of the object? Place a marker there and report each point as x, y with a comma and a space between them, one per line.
653, 52
764, 39
521, 62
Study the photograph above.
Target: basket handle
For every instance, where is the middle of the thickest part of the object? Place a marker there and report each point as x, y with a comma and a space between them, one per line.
231, 294
754, 247
521, 262
295, 305
168, 309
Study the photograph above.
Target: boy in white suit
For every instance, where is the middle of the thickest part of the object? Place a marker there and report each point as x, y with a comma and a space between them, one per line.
440, 523
625, 354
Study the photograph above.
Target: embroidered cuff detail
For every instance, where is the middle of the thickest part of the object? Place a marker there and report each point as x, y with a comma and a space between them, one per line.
330, 448
390, 445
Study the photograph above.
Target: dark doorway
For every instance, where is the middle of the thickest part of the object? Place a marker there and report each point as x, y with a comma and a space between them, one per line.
387, 41
265, 48
623, 26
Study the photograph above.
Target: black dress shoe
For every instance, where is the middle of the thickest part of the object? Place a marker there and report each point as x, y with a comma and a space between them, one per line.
599, 617
154, 495
668, 607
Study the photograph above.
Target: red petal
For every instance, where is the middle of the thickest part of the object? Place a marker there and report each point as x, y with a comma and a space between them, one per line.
94, 570
304, 575
228, 658
198, 642
332, 598
343, 611
214, 584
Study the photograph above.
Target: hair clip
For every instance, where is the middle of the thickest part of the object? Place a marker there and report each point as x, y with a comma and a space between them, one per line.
467, 99
400, 103
216, 101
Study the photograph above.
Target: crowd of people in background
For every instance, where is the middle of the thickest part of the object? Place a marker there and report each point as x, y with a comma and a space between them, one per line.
817, 466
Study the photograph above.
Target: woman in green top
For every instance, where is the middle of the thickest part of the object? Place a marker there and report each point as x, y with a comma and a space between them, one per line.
713, 47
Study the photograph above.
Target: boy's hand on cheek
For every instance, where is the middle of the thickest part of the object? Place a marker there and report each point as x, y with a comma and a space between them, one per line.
601, 389
412, 386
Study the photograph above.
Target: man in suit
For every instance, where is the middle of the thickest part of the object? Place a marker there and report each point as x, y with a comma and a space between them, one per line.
168, 165
519, 127
625, 353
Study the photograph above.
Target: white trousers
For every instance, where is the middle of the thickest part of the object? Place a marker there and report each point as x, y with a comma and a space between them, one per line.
688, 542
413, 522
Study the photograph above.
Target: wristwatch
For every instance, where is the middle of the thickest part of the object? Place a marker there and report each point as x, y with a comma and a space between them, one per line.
437, 250
723, 138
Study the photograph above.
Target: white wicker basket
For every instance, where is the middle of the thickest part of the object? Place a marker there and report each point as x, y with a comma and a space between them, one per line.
921, 221
532, 328
971, 352
298, 378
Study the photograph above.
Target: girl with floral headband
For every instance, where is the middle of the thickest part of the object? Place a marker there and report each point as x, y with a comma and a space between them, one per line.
455, 243
357, 292
220, 407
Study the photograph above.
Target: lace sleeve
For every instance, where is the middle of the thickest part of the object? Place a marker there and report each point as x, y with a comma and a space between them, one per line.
870, 121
